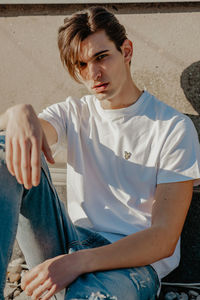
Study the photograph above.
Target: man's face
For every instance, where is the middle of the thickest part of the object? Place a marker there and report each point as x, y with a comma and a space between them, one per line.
103, 69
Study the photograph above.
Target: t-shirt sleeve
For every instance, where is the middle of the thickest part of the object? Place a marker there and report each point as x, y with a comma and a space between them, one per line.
56, 115
180, 154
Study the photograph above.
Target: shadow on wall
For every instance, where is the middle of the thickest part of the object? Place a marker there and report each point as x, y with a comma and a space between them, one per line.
190, 83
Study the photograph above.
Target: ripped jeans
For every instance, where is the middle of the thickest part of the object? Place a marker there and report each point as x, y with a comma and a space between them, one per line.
44, 230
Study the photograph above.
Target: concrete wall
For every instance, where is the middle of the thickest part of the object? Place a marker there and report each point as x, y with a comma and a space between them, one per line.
166, 53
85, 1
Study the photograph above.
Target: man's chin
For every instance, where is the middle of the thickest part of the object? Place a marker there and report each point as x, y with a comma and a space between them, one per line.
100, 96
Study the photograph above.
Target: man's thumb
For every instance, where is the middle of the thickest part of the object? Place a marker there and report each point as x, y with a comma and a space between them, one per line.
46, 150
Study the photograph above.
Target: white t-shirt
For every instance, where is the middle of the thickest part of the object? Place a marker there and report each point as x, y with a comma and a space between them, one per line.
116, 158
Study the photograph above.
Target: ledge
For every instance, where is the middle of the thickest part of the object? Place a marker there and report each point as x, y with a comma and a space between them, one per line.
58, 176
90, 1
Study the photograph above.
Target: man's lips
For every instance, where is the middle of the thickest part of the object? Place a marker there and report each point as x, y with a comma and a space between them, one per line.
100, 87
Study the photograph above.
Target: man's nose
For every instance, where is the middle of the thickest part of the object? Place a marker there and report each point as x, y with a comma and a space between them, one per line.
94, 72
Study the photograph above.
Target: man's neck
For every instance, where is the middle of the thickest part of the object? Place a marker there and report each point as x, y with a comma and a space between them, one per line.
129, 97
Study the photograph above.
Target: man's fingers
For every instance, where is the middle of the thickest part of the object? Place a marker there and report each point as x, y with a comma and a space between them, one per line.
50, 293
28, 277
47, 151
41, 290
9, 156
23, 161
17, 160
35, 162
37, 287
25, 164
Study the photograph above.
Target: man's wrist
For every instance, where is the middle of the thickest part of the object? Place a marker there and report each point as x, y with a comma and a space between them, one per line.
88, 261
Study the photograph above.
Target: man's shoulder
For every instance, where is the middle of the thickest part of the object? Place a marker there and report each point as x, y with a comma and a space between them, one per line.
167, 119
161, 110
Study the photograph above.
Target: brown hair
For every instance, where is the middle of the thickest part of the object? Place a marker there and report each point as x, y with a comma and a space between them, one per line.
79, 26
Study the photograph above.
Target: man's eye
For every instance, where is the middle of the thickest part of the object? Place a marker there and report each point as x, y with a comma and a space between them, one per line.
100, 57
82, 64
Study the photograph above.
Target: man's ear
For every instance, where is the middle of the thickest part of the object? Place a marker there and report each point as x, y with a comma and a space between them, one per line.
127, 50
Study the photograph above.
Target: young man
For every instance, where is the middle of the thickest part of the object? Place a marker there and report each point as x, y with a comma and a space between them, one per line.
132, 162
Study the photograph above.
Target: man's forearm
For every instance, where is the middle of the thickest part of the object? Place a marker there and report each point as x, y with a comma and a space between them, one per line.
139, 249
62, 270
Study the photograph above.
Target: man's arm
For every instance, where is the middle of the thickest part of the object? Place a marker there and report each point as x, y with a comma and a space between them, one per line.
170, 208
169, 211
49, 131
26, 137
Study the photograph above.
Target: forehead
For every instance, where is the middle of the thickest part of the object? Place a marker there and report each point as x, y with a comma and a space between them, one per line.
95, 43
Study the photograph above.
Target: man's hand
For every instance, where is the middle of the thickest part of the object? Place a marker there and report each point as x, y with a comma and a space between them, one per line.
24, 141
51, 276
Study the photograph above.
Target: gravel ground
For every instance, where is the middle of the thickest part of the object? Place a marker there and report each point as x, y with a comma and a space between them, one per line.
16, 267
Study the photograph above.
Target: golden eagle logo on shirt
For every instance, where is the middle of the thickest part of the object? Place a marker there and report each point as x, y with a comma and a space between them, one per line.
127, 155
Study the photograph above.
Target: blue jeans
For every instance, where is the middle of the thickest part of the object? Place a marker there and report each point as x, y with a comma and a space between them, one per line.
44, 230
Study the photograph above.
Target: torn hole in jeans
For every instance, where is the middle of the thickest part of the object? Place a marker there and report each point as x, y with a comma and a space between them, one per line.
97, 296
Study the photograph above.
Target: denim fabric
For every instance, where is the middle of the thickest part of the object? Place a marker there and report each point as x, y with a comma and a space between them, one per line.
44, 230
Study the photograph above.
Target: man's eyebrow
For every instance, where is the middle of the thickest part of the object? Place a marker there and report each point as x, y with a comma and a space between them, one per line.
99, 53
93, 56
